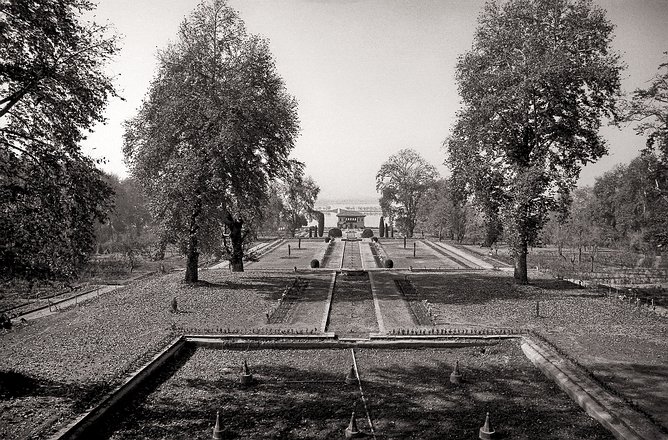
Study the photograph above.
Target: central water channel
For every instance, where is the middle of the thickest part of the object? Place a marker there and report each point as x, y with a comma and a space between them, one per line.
352, 313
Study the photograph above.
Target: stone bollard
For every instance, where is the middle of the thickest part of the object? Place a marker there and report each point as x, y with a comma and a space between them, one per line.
217, 432
351, 430
246, 377
456, 376
486, 431
351, 377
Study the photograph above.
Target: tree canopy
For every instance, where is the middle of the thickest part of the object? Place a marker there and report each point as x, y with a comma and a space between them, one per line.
216, 127
53, 88
298, 194
650, 108
535, 86
402, 182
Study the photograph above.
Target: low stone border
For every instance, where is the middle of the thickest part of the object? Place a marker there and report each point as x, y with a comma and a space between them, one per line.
83, 426
376, 305
330, 341
612, 412
609, 410
328, 304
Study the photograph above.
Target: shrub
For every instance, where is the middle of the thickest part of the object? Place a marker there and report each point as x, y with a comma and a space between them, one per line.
389, 264
335, 232
5, 322
374, 239
315, 264
367, 233
327, 239
321, 223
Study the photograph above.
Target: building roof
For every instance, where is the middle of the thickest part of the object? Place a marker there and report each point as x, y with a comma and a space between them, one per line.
346, 213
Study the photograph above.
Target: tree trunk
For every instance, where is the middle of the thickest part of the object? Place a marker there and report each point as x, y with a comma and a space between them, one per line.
237, 257
193, 261
521, 251
192, 253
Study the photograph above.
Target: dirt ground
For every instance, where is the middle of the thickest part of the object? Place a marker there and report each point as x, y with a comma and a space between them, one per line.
301, 394
54, 367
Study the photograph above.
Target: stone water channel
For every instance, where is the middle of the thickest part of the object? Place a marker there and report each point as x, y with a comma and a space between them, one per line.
352, 313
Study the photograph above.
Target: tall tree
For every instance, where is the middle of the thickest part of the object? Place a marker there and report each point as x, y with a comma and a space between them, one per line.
216, 127
535, 86
650, 108
298, 193
402, 182
444, 212
630, 208
53, 89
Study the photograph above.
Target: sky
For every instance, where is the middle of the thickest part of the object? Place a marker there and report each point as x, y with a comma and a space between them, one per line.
371, 76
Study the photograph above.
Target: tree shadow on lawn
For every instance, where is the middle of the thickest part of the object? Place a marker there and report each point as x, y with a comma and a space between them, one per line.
404, 402
257, 283
642, 385
15, 385
478, 288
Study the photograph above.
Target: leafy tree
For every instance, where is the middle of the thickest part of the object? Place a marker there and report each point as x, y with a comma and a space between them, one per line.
402, 181
535, 85
630, 208
650, 107
53, 89
216, 128
443, 212
298, 193
271, 212
128, 227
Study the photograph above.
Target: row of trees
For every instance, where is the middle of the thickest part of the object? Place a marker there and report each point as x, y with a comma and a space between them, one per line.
208, 150
536, 85
210, 144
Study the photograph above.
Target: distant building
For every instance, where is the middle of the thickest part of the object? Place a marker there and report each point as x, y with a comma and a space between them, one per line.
349, 219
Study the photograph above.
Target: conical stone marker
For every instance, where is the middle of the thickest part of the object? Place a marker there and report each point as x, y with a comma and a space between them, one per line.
486, 432
351, 377
456, 376
246, 376
217, 433
352, 431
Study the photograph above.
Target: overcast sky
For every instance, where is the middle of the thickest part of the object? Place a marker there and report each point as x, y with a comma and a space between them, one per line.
371, 76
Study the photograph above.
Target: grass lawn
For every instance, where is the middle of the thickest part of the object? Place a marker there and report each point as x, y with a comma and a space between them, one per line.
425, 257
300, 258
